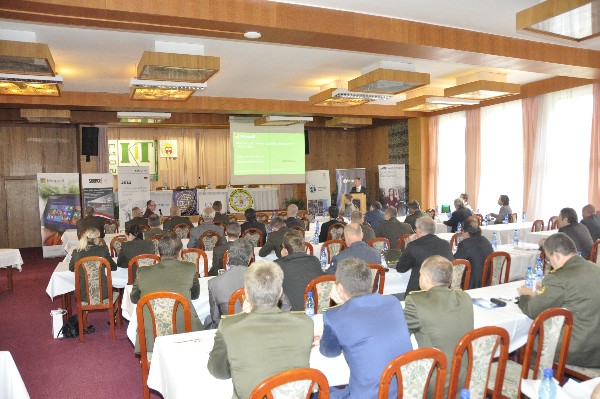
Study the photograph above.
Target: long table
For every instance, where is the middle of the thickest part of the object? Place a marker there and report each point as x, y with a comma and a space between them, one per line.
11, 383
505, 232
178, 368
10, 259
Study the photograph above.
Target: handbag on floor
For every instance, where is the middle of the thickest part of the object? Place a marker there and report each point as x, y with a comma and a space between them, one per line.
71, 328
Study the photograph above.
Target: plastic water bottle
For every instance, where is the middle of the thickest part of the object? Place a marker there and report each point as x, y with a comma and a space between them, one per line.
309, 306
578, 253
539, 275
272, 215
524, 218
316, 237
208, 186
494, 241
547, 387
530, 278
505, 221
465, 394
385, 249
478, 211
516, 238
485, 220
227, 264
459, 228
323, 258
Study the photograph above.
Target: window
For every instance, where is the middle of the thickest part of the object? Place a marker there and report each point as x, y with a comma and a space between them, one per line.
451, 158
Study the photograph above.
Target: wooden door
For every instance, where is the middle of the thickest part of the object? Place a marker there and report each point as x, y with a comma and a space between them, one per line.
23, 214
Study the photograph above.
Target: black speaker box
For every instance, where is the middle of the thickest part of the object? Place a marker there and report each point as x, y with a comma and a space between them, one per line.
89, 141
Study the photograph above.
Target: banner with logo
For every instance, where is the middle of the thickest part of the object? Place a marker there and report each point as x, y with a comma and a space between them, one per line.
60, 209
134, 190
318, 191
98, 193
345, 181
133, 153
167, 148
205, 199
392, 187
163, 200
186, 201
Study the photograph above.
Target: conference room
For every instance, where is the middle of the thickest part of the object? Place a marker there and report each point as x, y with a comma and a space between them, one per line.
263, 105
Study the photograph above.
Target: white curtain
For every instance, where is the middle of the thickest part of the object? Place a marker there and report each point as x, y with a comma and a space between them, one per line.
451, 157
501, 156
562, 153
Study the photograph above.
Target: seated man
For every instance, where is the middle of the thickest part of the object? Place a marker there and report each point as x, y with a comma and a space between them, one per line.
219, 217
170, 274
391, 228
154, 223
368, 233
568, 224
505, 209
356, 248
208, 215
414, 212
368, 328
299, 268
374, 215
465, 198
176, 219
475, 248
150, 207
220, 288
233, 234
91, 221
573, 284
263, 341
348, 206
252, 223
135, 245
459, 215
333, 214
292, 216
591, 220
275, 238
136, 218
438, 316
424, 244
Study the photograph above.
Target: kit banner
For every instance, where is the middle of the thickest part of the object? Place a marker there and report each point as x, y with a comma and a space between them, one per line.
186, 200
392, 187
134, 153
134, 190
318, 191
205, 199
163, 200
60, 209
98, 193
345, 181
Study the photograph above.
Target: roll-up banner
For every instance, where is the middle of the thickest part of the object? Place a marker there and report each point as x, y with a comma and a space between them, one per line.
186, 201
60, 209
392, 187
205, 199
134, 190
345, 181
98, 193
163, 200
318, 191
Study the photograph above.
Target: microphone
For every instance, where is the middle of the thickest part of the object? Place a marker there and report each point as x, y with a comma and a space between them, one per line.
160, 211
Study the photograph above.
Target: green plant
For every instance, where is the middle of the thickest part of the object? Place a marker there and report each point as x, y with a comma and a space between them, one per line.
297, 201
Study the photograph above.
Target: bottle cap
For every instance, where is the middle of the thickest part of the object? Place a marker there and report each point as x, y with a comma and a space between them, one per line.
548, 373
309, 294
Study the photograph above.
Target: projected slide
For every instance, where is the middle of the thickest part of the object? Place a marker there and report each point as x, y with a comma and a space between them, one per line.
268, 153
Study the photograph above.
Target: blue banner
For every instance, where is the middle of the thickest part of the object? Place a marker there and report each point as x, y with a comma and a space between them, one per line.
186, 200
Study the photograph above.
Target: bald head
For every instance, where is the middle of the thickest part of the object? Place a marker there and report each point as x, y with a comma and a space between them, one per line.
292, 210
352, 233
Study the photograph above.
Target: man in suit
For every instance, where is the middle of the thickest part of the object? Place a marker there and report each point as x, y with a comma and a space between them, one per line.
391, 228
475, 248
368, 328
333, 214
176, 219
358, 188
573, 284
292, 217
569, 224
368, 233
414, 212
221, 287
91, 221
299, 268
374, 215
233, 233
505, 210
357, 248
252, 223
459, 215
150, 207
275, 238
423, 245
465, 198
170, 274
262, 341
348, 206
208, 215
154, 223
135, 245
438, 316
136, 218
591, 221
219, 217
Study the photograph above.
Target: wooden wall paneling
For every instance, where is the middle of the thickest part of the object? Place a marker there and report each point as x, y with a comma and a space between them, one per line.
418, 172
23, 215
372, 151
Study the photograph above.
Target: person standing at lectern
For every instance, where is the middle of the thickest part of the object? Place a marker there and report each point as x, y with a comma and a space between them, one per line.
358, 188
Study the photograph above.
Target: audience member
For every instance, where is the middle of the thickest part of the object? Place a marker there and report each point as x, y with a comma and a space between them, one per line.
253, 346
154, 223
414, 212
465, 199
292, 217
374, 215
459, 215
333, 214
573, 284
505, 210
176, 219
368, 328
136, 218
275, 238
357, 248
423, 245
591, 220
233, 234
150, 207
348, 206
368, 233
475, 248
252, 223
135, 245
391, 228
568, 224
91, 221
208, 215
219, 217
358, 188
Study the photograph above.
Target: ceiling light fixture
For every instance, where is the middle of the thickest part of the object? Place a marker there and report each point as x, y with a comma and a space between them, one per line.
429, 99
162, 90
343, 98
482, 86
177, 67
281, 120
252, 35
348, 122
388, 81
143, 117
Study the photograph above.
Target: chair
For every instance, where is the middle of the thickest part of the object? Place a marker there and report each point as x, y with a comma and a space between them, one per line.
378, 283
93, 269
201, 187
431, 213
308, 248
306, 221
481, 344
182, 231
193, 255
333, 247
594, 253
140, 261
581, 373
209, 240
379, 243
161, 306
282, 214
255, 236
542, 339
295, 383
413, 371
110, 227
220, 186
154, 239
553, 223
477, 217
512, 218
115, 245
101, 241
221, 225
335, 231
262, 217
493, 266
300, 229
537, 225
403, 241
237, 296
321, 288
144, 227
461, 274
455, 239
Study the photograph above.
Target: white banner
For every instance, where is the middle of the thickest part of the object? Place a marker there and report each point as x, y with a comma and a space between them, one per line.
163, 200
97, 193
207, 197
135, 153
392, 186
60, 209
318, 191
134, 190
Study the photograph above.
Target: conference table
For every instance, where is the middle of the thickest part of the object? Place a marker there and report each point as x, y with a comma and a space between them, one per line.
11, 383
10, 259
505, 232
178, 369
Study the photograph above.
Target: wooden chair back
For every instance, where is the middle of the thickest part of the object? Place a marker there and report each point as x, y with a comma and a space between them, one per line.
461, 274
537, 225
421, 362
306, 220
101, 241
154, 238
335, 231
182, 231
209, 240
255, 236
282, 214
308, 248
494, 266
262, 217
431, 213
232, 218
144, 227
237, 296
321, 288
594, 253
140, 261
194, 255
454, 239
298, 383
477, 217
115, 245
379, 243
403, 242
378, 276
300, 229
333, 247
513, 218
221, 225
553, 223
110, 227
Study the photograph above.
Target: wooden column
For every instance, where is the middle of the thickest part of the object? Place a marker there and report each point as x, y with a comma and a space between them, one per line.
418, 157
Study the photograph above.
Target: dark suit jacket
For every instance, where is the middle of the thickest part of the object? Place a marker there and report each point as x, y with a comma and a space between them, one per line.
374, 217
255, 225
217, 261
368, 233
131, 249
298, 270
221, 217
87, 222
290, 222
581, 235
167, 275
275, 340
325, 228
196, 232
358, 250
220, 289
135, 221
274, 242
93, 250
363, 190
173, 221
416, 252
458, 216
474, 249
371, 331
412, 218
392, 230
593, 224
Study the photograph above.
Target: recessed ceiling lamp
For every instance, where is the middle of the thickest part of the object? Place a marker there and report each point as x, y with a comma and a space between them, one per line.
143, 117
347, 122
388, 77
429, 99
281, 120
252, 35
160, 90
482, 86
47, 115
334, 97
575, 20
30, 85
177, 67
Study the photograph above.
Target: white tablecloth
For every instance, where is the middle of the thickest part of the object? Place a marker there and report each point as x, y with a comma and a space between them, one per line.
11, 383
535, 237
62, 280
266, 198
10, 258
505, 232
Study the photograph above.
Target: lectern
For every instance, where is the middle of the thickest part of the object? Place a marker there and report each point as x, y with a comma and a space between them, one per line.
360, 202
